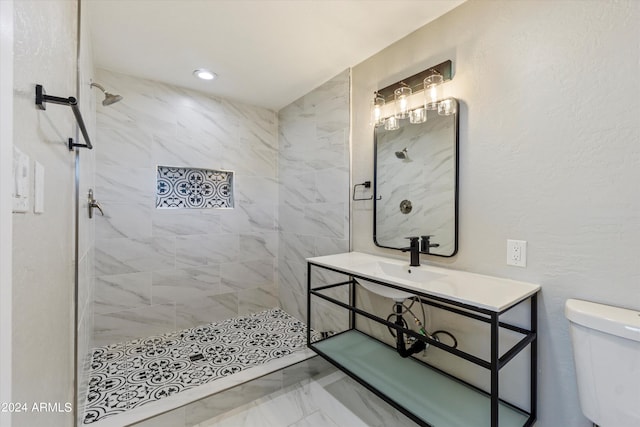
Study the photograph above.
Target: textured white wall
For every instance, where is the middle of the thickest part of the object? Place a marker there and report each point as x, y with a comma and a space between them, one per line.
6, 180
549, 153
43, 300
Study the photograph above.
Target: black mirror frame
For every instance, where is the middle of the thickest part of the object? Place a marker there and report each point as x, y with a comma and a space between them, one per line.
457, 175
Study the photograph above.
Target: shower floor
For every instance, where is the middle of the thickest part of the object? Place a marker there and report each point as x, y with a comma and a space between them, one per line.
131, 374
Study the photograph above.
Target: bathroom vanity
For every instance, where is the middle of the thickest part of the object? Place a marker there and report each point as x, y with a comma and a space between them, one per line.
428, 395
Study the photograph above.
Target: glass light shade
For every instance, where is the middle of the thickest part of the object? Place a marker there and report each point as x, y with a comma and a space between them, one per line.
401, 96
391, 123
432, 91
376, 110
419, 115
447, 107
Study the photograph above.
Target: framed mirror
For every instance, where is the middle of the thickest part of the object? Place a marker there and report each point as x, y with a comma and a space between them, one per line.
416, 183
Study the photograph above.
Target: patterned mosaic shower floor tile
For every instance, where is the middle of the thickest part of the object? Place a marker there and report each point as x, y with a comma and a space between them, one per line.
130, 374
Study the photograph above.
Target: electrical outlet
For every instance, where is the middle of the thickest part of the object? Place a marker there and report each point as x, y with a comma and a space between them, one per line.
517, 253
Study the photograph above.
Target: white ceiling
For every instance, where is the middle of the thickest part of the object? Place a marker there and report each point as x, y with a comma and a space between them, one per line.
265, 52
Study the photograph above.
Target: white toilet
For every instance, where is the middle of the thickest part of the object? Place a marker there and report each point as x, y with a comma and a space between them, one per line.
606, 351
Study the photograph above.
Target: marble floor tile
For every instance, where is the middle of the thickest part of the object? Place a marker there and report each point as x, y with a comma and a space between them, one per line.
316, 419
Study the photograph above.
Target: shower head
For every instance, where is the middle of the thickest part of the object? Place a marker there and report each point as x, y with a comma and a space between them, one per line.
402, 154
109, 98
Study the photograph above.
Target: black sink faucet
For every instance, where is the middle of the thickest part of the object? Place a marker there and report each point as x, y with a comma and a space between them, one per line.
425, 244
414, 248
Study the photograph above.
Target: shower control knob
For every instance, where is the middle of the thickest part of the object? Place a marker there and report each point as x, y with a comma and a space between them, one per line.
93, 204
406, 206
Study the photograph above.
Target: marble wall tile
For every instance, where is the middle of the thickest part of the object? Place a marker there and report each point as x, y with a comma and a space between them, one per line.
249, 218
327, 219
124, 146
256, 189
293, 274
247, 275
207, 126
261, 131
120, 184
292, 220
293, 302
326, 155
328, 246
178, 222
296, 246
313, 165
251, 113
136, 323
123, 220
206, 249
299, 189
120, 256
146, 102
330, 185
263, 159
256, 246
258, 299
122, 291
326, 316
185, 284
203, 151
212, 308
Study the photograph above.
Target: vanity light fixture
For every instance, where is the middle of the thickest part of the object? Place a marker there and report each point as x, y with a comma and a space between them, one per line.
398, 101
204, 74
418, 115
447, 107
401, 97
376, 110
432, 90
392, 123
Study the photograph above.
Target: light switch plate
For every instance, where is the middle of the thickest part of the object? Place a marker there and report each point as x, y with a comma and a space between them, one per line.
20, 191
517, 253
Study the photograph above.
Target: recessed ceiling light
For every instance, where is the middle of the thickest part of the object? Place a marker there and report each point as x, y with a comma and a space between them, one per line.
204, 74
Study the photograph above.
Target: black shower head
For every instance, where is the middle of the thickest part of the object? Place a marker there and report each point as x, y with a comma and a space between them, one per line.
402, 154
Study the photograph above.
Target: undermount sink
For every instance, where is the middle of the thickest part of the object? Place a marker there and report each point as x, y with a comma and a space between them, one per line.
394, 273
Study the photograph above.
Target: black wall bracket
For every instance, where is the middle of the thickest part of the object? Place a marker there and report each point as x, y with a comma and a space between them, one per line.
366, 184
42, 98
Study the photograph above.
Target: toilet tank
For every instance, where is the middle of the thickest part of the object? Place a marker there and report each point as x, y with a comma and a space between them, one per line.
606, 351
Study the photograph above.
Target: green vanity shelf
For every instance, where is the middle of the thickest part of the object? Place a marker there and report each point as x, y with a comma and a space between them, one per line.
430, 395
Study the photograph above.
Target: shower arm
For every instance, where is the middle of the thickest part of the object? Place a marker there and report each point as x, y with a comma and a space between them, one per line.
42, 98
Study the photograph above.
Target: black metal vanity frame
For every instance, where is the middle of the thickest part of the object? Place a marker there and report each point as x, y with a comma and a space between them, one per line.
480, 314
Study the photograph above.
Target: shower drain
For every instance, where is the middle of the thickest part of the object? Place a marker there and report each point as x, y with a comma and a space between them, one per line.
196, 357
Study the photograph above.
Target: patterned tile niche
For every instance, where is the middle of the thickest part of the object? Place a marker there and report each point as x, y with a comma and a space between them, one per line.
190, 188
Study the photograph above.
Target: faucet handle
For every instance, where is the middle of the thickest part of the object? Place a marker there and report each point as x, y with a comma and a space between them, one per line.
425, 244
414, 243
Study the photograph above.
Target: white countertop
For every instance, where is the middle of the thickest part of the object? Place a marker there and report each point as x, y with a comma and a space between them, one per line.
487, 292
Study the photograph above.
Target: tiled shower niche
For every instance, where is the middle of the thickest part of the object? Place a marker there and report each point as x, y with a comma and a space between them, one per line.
193, 188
